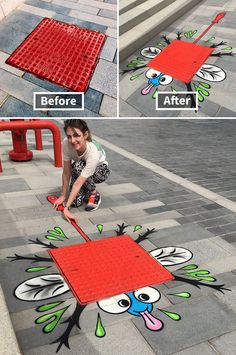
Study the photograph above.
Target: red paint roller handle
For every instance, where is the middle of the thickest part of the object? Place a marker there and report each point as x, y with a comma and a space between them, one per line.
216, 20
219, 17
52, 199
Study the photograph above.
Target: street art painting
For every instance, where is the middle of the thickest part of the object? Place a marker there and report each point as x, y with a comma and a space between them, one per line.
200, 83
46, 289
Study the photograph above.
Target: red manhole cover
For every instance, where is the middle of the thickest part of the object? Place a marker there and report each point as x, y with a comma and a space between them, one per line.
181, 60
61, 53
104, 268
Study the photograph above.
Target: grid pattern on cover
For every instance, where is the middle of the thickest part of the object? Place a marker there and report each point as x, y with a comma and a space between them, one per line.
61, 53
181, 60
108, 267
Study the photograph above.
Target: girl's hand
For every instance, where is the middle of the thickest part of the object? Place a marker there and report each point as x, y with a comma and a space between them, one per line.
68, 215
58, 202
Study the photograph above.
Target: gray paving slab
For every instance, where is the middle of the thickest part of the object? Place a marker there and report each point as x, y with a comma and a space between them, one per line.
179, 235
225, 344
84, 24
195, 326
49, 6
203, 348
109, 49
10, 343
17, 108
107, 83
17, 184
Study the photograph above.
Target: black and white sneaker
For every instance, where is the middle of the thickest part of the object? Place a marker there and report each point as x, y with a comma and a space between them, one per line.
94, 201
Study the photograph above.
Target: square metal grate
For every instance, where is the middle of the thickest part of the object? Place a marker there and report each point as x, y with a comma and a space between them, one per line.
61, 53
181, 60
108, 267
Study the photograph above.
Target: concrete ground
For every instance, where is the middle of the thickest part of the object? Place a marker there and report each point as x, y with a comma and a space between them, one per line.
17, 87
175, 176
218, 96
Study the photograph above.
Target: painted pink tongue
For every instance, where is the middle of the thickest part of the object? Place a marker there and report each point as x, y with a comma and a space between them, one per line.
151, 322
147, 89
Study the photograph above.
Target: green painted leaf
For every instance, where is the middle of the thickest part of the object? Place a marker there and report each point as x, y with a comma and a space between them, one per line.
37, 268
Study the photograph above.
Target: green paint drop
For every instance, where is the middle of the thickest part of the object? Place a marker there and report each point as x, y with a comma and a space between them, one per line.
227, 49
37, 268
174, 90
100, 330
100, 228
173, 316
133, 77
200, 97
181, 294
189, 267
205, 85
57, 231
155, 94
190, 34
161, 44
55, 316
47, 307
52, 238
210, 39
137, 228
198, 273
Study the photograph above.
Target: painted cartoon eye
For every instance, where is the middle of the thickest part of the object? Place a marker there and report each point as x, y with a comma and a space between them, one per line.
150, 52
166, 79
151, 73
147, 295
116, 304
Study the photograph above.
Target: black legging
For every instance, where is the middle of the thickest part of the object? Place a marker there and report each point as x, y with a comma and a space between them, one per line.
101, 174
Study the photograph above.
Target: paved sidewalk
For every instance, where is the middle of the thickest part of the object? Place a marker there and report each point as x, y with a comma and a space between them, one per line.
136, 195
17, 87
216, 85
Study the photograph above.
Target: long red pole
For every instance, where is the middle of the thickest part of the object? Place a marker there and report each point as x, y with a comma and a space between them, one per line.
52, 199
216, 20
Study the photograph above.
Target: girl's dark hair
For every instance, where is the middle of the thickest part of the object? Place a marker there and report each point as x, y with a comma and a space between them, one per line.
80, 124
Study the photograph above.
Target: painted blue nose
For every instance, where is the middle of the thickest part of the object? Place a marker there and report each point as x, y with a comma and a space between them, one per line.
155, 80
138, 306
